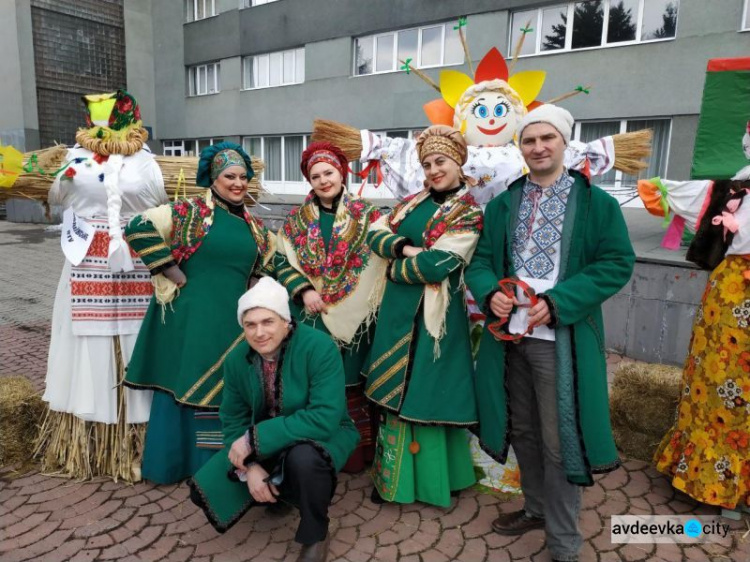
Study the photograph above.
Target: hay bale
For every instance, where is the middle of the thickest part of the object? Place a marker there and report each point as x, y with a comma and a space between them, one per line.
21, 410
643, 402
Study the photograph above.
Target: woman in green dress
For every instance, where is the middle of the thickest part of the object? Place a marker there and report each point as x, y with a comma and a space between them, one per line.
334, 280
420, 369
202, 252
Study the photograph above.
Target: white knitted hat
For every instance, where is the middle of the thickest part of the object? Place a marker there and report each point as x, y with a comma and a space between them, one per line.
267, 293
559, 118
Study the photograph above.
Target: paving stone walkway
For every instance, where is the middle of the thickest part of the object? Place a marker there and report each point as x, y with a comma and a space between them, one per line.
45, 518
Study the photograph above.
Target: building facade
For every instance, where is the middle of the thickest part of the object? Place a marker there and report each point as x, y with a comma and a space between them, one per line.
259, 71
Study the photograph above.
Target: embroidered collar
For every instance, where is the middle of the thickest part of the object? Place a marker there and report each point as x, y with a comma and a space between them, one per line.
562, 183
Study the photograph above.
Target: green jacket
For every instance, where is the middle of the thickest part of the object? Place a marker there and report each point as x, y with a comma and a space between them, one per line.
596, 261
312, 409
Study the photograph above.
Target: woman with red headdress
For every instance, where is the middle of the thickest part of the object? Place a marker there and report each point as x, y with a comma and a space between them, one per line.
334, 280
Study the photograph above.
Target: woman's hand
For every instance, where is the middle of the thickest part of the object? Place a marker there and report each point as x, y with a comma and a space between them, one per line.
262, 491
411, 251
175, 275
313, 302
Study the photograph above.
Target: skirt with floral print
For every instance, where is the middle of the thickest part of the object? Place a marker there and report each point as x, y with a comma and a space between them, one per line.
707, 452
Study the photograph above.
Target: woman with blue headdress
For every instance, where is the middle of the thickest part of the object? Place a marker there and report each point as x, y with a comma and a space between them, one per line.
202, 253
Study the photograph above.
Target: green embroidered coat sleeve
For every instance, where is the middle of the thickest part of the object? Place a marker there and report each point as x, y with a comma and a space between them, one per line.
292, 279
596, 261
145, 240
429, 266
385, 244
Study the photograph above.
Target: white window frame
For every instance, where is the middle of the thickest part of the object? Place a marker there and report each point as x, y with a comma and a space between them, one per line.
619, 185
189, 147
396, 64
253, 3
745, 23
192, 6
283, 186
568, 48
194, 74
169, 148
247, 67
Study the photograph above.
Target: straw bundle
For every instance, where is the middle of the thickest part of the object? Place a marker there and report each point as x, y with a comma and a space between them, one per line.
643, 402
21, 410
631, 149
345, 137
71, 447
170, 170
36, 186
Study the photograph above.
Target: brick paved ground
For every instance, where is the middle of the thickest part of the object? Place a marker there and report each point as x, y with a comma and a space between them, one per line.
48, 518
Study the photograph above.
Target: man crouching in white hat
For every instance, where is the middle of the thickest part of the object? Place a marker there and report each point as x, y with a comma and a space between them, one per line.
284, 419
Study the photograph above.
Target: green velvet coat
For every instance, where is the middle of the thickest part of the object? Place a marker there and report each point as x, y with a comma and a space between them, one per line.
596, 261
312, 409
404, 375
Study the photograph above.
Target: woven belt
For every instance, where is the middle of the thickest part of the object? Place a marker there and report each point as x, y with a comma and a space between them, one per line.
499, 328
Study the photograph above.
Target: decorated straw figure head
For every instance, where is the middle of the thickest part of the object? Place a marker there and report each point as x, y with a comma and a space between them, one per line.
116, 110
487, 108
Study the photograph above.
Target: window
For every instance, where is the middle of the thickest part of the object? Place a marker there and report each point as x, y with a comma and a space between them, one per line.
190, 147
251, 3
746, 16
274, 69
173, 148
593, 23
428, 46
199, 9
203, 79
620, 185
281, 155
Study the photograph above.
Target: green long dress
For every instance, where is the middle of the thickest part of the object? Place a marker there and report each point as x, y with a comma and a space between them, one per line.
180, 350
422, 448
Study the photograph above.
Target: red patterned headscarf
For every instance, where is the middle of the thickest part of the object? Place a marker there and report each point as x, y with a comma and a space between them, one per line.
324, 152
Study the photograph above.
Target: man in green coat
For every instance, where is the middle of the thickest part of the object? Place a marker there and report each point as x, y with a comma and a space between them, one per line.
284, 421
547, 394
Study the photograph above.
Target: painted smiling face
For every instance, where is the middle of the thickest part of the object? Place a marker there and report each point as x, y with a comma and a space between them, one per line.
488, 114
491, 121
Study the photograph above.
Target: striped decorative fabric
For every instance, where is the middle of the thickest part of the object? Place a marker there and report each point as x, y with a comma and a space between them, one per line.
104, 303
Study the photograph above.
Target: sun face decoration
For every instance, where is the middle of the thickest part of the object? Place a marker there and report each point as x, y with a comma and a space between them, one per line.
488, 108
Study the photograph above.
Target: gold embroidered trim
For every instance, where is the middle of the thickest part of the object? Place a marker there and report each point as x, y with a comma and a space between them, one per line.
160, 261
417, 271
388, 353
213, 369
385, 377
212, 394
152, 249
388, 397
139, 235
